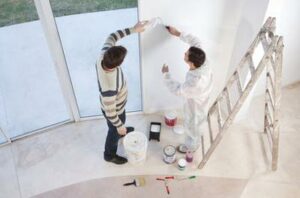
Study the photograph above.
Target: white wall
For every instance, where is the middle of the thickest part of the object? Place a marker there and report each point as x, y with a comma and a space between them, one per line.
250, 21
287, 23
288, 15
226, 28
214, 22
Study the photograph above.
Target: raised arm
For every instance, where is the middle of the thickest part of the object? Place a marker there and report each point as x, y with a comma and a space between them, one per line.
119, 34
185, 37
180, 89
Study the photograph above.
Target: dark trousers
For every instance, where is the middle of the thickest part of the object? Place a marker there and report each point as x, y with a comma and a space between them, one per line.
112, 138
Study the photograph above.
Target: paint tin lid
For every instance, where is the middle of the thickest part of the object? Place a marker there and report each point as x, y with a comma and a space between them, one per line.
169, 150
178, 129
170, 115
182, 162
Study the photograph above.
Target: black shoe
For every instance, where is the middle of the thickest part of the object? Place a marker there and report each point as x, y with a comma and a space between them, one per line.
129, 129
117, 160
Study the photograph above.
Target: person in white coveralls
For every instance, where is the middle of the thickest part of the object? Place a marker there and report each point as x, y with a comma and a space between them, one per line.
195, 89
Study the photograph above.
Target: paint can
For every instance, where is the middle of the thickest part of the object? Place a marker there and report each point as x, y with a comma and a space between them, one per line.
135, 145
169, 154
170, 118
178, 129
189, 156
181, 164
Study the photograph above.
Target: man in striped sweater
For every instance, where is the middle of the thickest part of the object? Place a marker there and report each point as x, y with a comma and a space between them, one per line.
113, 90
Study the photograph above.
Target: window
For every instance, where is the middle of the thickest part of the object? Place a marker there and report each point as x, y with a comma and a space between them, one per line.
83, 27
30, 94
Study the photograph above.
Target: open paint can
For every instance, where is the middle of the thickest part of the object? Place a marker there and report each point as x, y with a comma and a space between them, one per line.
189, 156
178, 129
169, 154
181, 164
170, 118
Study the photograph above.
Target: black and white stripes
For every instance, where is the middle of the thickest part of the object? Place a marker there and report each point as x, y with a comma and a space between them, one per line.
112, 85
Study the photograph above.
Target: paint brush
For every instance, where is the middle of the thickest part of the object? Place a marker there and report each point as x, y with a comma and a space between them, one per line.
185, 178
166, 186
136, 182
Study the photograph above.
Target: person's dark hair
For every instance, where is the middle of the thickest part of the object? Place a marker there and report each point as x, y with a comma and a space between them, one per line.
196, 56
114, 56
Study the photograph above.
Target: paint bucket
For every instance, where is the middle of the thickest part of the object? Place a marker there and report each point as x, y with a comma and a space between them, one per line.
181, 164
178, 129
169, 154
170, 118
135, 145
189, 156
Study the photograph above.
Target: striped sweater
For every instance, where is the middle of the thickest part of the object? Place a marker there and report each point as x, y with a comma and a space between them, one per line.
112, 84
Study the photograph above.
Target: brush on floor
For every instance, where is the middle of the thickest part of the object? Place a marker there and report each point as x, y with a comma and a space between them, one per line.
185, 178
140, 181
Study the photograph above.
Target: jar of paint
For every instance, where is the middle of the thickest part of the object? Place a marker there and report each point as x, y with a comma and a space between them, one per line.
169, 154
170, 118
181, 164
189, 156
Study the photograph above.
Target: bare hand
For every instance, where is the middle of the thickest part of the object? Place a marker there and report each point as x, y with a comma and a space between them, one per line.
122, 131
165, 68
140, 26
173, 31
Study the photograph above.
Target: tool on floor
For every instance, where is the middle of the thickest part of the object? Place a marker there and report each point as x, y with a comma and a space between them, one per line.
167, 177
166, 186
166, 181
140, 181
185, 178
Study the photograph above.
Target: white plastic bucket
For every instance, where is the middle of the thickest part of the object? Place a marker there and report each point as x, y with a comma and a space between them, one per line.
135, 145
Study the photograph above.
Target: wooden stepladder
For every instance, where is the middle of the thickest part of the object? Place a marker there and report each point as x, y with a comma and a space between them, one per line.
264, 53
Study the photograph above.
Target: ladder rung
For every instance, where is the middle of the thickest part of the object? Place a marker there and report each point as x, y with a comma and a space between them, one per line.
210, 128
270, 80
239, 84
268, 122
270, 98
266, 46
264, 42
213, 108
219, 116
229, 108
251, 65
268, 114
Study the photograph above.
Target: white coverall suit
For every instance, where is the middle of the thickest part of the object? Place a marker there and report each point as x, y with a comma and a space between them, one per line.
196, 90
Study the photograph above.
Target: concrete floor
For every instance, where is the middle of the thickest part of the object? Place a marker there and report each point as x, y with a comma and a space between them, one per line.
72, 154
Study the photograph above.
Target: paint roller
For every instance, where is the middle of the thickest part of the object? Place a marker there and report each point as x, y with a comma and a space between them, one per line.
136, 182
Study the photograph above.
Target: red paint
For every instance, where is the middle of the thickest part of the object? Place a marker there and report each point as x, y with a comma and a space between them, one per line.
170, 119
